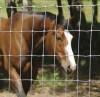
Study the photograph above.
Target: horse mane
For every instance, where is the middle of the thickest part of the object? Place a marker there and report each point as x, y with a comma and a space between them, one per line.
47, 14
58, 20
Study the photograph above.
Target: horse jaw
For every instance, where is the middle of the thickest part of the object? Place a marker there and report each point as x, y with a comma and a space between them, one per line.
69, 52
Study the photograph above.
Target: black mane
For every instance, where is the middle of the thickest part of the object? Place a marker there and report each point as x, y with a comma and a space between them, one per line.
53, 17
47, 14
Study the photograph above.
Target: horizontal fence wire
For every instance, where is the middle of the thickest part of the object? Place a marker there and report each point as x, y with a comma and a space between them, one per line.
91, 5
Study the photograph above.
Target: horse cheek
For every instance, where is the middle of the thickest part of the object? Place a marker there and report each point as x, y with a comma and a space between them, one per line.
49, 46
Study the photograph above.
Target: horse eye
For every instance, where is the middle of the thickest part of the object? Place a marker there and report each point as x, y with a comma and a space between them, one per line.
59, 39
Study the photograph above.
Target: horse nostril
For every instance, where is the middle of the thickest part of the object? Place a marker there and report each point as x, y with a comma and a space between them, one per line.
69, 70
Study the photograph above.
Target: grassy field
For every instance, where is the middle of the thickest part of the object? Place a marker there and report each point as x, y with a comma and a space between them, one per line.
51, 6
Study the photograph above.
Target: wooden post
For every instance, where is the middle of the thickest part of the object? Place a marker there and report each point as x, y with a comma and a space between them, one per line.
75, 12
60, 17
95, 13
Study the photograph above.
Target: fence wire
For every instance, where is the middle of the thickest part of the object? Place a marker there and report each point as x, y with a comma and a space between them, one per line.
71, 86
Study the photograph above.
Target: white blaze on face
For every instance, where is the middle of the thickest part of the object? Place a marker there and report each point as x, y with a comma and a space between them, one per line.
69, 51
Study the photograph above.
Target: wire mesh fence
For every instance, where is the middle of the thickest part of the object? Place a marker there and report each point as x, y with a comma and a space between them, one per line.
24, 31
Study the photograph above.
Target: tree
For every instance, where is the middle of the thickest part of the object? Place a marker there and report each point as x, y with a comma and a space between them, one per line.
27, 4
60, 16
76, 11
9, 3
10, 10
95, 12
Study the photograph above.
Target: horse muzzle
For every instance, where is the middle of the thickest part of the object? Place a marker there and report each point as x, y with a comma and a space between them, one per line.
68, 69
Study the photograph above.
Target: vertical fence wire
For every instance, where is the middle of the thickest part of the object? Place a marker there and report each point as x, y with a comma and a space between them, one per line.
33, 7
21, 43
10, 54
90, 52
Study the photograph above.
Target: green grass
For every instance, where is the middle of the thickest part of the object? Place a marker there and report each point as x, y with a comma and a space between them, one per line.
3, 9
88, 10
51, 7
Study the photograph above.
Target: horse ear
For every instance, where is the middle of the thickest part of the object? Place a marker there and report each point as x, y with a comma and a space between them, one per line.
60, 19
70, 23
73, 22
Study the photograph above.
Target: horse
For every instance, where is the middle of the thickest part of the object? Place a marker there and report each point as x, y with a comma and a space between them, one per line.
24, 39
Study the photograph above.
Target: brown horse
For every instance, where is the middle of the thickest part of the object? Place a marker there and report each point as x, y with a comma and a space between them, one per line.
24, 38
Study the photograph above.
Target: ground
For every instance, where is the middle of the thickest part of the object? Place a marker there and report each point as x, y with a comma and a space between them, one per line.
71, 91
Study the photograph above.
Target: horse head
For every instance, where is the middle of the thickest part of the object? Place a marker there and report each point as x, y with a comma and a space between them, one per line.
58, 44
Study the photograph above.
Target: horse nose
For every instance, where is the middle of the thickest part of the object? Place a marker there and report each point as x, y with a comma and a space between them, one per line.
73, 67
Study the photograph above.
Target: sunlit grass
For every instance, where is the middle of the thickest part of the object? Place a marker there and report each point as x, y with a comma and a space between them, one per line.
2, 9
51, 7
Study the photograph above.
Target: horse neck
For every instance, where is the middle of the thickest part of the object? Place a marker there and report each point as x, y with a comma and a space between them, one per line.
47, 24
4, 24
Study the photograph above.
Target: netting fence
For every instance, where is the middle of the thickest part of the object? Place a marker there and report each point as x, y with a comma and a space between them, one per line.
50, 81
